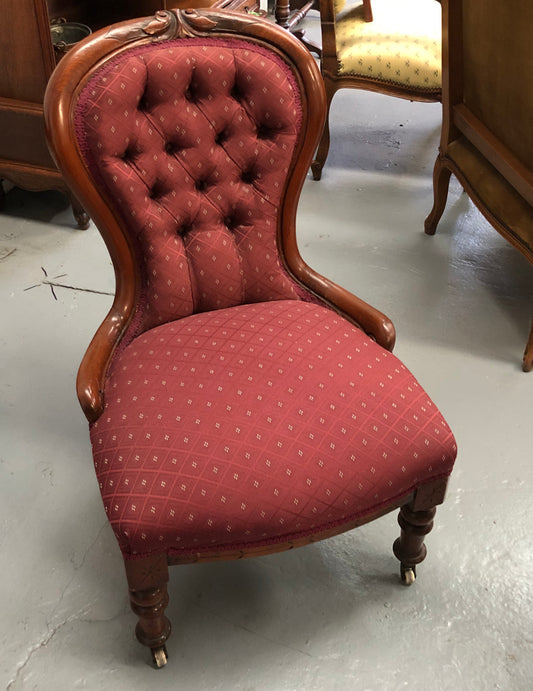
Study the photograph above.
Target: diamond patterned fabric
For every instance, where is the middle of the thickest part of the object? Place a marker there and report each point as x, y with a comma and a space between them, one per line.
261, 422
193, 140
402, 45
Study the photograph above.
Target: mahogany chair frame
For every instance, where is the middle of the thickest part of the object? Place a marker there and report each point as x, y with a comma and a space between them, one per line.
147, 577
334, 81
492, 171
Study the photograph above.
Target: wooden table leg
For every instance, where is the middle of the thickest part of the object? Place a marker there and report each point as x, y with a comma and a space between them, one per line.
282, 11
290, 20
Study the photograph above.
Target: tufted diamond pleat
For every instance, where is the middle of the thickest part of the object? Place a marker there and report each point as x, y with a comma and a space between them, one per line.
194, 145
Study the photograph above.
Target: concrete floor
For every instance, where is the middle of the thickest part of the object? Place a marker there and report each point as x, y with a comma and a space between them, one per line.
331, 616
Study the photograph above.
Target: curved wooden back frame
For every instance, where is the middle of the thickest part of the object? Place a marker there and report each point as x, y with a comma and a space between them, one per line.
64, 87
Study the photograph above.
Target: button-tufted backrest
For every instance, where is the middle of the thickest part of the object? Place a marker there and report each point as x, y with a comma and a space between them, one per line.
192, 140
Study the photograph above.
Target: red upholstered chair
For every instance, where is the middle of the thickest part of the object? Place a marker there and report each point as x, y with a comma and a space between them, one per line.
239, 403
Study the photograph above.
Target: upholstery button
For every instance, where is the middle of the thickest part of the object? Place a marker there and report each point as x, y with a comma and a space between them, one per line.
190, 94
170, 148
236, 92
156, 191
129, 154
221, 137
248, 176
264, 132
200, 185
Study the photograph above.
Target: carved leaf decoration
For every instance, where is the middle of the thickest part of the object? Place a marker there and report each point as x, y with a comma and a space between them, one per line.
158, 24
199, 22
181, 23
155, 26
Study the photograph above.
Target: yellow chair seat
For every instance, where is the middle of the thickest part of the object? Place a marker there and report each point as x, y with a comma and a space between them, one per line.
402, 45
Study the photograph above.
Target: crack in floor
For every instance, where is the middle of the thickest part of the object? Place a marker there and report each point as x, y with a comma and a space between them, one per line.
38, 646
83, 290
53, 284
52, 632
6, 252
76, 569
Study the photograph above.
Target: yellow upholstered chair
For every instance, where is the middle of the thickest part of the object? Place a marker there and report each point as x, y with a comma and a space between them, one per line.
398, 52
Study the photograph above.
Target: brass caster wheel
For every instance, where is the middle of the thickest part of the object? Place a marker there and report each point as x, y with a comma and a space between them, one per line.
408, 576
160, 656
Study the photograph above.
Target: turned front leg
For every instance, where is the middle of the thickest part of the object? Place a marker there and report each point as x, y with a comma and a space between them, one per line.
409, 548
147, 581
153, 628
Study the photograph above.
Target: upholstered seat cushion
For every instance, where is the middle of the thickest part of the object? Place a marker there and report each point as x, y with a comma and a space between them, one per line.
245, 424
402, 45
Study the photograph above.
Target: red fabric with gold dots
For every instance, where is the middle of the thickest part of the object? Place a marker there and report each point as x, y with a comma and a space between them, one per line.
264, 421
193, 140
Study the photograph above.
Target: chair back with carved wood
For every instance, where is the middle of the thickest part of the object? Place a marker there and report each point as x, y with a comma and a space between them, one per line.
239, 402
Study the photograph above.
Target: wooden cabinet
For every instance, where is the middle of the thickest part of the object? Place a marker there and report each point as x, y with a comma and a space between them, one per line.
27, 58
487, 133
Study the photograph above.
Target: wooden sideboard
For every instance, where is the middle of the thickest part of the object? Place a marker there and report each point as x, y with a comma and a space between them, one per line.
28, 58
487, 133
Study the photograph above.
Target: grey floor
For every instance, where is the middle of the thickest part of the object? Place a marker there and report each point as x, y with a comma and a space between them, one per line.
329, 616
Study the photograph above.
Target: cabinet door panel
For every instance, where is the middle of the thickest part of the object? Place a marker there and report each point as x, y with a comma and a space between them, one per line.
26, 54
22, 137
497, 72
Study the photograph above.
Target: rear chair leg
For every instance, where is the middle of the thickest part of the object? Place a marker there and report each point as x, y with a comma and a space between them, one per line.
147, 581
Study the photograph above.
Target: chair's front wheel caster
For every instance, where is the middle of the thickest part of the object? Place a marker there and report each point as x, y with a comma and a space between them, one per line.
408, 576
160, 656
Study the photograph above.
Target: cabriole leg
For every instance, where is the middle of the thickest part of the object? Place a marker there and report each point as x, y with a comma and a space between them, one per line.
409, 548
81, 216
323, 147
441, 183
